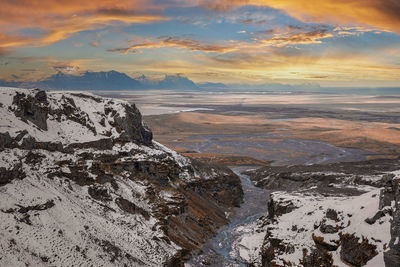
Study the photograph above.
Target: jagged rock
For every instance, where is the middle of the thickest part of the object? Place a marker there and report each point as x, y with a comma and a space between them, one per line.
6, 141
133, 126
378, 215
99, 193
129, 207
332, 214
278, 208
227, 192
32, 108
354, 252
7, 175
321, 244
328, 229
317, 257
270, 249
34, 158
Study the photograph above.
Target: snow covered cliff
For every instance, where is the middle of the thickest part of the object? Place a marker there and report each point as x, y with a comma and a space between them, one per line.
82, 183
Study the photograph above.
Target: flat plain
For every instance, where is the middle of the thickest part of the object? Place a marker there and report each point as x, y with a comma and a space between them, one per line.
272, 128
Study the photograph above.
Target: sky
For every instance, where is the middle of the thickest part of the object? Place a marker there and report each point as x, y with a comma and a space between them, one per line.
328, 42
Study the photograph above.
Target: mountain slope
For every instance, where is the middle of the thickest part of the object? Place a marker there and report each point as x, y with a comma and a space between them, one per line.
83, 183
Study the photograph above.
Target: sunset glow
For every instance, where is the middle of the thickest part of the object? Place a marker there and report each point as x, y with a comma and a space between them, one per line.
326, 42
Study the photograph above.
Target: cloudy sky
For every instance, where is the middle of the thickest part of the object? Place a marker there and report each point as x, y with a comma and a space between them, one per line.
329, 42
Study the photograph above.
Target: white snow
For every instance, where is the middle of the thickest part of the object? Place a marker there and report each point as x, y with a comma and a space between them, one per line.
311, 211
66, 131
69, 233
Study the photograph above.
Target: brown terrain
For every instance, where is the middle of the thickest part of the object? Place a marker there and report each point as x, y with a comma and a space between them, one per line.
381, 138
257, 121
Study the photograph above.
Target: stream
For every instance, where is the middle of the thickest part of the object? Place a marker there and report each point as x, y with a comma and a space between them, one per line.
237, 243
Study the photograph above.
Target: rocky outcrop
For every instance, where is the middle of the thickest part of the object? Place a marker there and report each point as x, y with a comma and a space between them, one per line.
278, 208
309, 229
356, 252
9, 174
83, 183
32, 107
390, 197
112, 118
132, 126
317, 257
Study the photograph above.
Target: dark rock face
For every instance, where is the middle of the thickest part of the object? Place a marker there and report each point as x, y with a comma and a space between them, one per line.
133, 126
390, 193
328, 229
228, 192
278, 208
317, 257
34, 158
99, 193
378, 215
8, 175
354, 252
33, 109
322, 245
332, 214
129, 207
270, 249
6, 141
199, 209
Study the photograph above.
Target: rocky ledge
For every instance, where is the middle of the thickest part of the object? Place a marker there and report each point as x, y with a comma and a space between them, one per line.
342, 214
83, 183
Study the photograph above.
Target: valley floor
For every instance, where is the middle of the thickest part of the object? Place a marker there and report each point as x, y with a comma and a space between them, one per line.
319, 210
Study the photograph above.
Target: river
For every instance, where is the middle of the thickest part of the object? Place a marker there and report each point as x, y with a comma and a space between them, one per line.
237, 243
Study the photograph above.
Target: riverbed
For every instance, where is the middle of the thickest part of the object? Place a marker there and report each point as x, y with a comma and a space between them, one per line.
238, 243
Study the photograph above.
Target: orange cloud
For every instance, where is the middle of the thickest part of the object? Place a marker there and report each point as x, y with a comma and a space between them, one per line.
186, 43
280, 39
312, 37
382, 14
61, 19
10, 40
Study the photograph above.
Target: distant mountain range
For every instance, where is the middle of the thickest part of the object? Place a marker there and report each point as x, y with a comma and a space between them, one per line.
110, 80
114, 80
